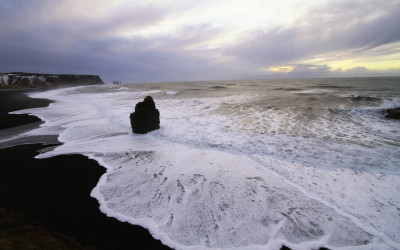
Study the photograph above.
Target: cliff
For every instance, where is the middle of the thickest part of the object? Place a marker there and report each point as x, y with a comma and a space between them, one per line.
32, 80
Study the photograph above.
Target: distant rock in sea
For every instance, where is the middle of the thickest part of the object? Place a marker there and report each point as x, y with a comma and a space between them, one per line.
393, 113
19, 80
146, 117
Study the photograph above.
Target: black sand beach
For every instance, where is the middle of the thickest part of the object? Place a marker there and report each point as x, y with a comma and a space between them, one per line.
46, 203
12, 100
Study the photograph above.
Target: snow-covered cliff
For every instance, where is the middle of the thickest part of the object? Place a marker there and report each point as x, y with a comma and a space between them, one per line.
33, 80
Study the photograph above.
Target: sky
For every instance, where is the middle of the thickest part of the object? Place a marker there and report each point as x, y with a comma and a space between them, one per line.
185, 40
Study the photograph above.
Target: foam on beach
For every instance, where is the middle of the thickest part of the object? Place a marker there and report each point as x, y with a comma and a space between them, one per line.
221, 173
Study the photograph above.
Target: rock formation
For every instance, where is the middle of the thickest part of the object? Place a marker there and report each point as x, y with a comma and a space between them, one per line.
393, 113
33, 80
146, 117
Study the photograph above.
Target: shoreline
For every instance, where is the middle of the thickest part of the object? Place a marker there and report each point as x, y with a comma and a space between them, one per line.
51, 197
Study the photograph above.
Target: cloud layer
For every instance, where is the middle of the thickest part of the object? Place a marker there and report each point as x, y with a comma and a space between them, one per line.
188, 40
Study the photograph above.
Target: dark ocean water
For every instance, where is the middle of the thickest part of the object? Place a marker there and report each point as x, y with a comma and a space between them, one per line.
243, 164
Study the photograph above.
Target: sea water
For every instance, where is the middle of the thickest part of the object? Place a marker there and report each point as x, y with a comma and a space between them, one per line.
242, 164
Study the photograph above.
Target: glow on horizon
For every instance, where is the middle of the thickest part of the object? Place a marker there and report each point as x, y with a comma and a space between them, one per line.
381, 59
281, 69
380, 65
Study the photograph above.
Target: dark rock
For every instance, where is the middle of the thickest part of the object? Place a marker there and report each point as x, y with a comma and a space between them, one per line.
287, 248
393, 113
146, 117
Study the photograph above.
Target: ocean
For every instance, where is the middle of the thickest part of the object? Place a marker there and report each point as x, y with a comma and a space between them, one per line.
249, 164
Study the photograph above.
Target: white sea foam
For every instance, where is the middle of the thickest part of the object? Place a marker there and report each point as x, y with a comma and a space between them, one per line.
313, 91
220, 174
171, 92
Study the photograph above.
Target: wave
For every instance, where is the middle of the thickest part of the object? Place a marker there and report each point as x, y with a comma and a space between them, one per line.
312, 91
218, 87
288, 89
330, 86
365, 99
223, 174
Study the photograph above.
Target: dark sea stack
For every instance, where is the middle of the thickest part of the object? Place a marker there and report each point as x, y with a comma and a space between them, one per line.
393, 113
146, 117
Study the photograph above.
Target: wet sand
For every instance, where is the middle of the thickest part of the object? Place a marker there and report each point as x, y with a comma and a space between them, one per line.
12, 100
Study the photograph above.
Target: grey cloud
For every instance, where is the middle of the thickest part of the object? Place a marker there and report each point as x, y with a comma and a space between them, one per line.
56, 24
358, 70
310, 71
30, 42
90, 47
342, 26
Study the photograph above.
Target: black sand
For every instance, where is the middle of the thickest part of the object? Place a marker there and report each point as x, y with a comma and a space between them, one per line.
46, 203
12, 100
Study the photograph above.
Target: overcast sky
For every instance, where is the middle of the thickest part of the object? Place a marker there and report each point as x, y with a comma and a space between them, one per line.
176, 40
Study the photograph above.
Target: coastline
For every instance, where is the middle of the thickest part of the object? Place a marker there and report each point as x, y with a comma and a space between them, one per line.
51, 197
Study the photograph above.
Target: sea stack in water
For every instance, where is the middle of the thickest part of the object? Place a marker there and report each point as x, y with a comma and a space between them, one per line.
393, 113
146, 117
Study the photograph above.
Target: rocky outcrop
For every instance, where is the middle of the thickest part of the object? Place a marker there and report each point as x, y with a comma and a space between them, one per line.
32, 80
393, 113
146, 117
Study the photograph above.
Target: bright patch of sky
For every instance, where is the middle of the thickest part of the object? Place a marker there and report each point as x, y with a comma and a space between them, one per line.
234, 17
